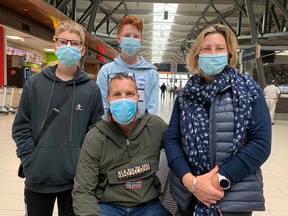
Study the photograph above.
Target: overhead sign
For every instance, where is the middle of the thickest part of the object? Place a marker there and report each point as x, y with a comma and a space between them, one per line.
181, 68
100, 49
251, 53
100, 58
163, 67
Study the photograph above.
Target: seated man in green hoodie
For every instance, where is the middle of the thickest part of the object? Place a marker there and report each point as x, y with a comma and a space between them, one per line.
116, 171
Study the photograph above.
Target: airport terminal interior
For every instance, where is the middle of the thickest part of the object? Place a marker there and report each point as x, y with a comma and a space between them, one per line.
170, 28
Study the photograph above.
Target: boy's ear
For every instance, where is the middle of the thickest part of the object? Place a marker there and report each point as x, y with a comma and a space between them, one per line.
54, 47
118, 39
83, 50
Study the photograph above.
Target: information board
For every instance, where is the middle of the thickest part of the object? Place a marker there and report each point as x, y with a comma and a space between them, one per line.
181, 68
164, 67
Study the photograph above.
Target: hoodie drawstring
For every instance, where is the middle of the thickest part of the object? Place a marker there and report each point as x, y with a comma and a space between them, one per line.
72, 111
49, 101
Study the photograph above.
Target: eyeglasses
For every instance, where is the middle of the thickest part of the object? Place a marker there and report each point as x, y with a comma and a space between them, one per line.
63, 42
120, 75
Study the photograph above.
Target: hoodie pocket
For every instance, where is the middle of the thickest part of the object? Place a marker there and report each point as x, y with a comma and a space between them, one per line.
52, 165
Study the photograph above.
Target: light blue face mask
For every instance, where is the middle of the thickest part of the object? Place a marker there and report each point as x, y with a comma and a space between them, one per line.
130, 45
123, 110
68, 55
212, 64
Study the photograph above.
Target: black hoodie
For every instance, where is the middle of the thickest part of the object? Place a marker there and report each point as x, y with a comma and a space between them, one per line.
50, 167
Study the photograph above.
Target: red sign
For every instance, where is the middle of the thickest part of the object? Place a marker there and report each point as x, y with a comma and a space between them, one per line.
2, 54
100, 58
101, 49
12, 72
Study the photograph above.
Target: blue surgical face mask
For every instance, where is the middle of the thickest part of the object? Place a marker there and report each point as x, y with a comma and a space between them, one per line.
212, 64
130, 45
68, 55
123, 110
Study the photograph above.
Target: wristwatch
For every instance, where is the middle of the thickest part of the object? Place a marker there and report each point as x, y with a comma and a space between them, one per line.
224, 182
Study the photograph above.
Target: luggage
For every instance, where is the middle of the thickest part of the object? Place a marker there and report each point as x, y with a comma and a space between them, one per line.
3, 96
9, 99
15, 94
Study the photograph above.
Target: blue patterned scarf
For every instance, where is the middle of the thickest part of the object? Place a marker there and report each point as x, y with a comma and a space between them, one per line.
194, 119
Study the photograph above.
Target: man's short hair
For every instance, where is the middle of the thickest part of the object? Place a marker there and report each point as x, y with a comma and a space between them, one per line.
120, 75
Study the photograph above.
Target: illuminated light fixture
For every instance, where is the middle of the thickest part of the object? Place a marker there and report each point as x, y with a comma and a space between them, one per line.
15, 38
48, 49
160, 25
165, 15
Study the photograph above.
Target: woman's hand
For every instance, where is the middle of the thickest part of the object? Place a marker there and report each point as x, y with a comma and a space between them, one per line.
204, 191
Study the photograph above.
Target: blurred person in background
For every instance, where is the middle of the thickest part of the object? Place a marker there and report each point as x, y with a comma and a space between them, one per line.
163, 90
272, 95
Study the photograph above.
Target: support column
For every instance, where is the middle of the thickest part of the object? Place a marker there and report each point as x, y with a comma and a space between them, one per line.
92, 18
249, 67
253, 30
2, 56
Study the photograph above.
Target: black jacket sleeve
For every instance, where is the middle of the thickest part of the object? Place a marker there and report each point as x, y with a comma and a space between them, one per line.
22, 129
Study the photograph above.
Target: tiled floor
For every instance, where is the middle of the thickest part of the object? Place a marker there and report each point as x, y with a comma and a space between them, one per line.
275, 170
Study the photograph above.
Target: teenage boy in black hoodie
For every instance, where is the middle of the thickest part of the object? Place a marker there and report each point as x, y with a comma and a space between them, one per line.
50, 166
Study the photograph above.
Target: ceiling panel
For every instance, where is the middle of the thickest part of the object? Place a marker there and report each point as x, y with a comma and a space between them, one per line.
29, 41
189, 19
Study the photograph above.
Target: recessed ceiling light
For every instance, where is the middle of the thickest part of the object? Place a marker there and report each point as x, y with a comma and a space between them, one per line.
15, 37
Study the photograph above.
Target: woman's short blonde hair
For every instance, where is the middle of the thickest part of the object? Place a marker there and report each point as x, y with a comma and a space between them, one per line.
231, 41
71, 27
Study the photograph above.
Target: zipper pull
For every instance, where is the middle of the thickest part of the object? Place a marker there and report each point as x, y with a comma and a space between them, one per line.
128, 144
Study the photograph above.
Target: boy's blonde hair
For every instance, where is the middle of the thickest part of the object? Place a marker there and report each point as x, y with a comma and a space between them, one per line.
72, 27
231, 41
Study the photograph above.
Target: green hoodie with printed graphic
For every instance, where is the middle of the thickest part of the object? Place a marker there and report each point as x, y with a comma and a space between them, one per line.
119, 169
